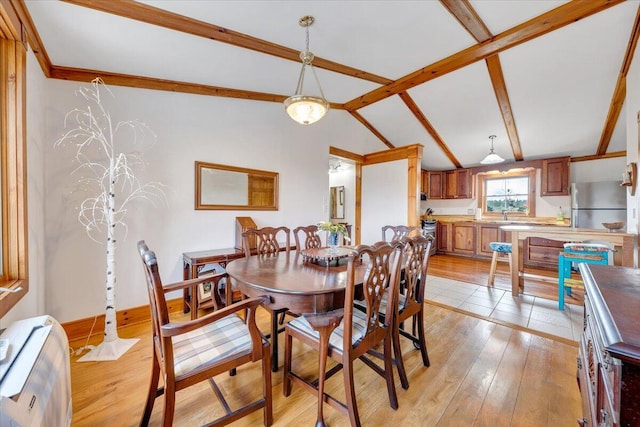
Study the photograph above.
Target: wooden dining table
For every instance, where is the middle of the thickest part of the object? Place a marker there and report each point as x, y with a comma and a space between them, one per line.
302, 285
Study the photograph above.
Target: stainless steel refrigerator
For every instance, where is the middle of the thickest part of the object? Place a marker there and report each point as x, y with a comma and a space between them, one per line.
593, 203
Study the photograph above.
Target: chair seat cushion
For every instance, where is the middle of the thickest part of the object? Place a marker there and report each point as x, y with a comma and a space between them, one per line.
500, 247
301, 324
224, 338
586, 247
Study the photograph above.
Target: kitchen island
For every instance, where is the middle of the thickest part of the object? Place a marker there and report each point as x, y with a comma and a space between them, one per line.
624, 244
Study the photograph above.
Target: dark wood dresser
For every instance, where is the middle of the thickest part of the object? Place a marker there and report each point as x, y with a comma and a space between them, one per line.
609, 351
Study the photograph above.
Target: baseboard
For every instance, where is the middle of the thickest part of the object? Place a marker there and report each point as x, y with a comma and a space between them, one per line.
80, 329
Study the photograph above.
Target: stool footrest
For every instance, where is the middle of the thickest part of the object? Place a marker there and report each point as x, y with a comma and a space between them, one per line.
573, 283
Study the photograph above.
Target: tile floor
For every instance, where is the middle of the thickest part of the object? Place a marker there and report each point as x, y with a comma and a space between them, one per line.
527, 311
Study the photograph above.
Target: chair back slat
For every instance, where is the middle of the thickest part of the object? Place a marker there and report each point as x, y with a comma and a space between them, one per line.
312, 239
382, 275
398, 231
267, 240
415, 263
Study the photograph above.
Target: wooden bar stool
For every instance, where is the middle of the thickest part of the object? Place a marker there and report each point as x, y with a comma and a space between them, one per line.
498, 248
590, 253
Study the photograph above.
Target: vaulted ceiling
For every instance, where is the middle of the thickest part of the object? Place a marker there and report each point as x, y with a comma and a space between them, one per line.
546, 77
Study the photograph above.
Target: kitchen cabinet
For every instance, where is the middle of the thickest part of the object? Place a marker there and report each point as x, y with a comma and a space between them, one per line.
464, 238
443, 236
424, 181
457, 184
609, 350
541, 252
434, 185
555, 177
487, 233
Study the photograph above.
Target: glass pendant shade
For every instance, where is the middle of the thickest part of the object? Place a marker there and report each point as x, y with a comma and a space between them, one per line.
492, 158
306, 109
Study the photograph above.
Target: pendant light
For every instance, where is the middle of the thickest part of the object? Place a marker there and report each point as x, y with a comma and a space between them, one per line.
306, 109
492, 157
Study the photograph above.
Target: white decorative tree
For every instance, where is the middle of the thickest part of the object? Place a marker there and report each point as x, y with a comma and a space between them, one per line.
110, 172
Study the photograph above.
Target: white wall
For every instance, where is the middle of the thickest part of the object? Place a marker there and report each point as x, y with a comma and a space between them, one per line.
632, 109
250, 134
384, 198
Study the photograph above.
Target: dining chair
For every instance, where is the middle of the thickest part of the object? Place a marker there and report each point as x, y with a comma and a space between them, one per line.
358, 331
311, 240
267, 244
189, 352
397, 231
415, 263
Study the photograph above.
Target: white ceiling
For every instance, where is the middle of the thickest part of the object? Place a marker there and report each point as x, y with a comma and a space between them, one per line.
560, 85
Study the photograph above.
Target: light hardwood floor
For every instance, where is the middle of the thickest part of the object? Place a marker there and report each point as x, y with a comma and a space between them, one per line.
481, 373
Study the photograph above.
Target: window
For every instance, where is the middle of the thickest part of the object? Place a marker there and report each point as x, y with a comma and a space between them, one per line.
13, 243
513, 192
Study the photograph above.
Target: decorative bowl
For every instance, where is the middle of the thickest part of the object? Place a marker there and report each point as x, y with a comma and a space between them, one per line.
612, 226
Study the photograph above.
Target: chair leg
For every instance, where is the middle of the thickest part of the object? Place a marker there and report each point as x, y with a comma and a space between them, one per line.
397, 352
286, 370
153, 390
492, 269
419, 319
350, 393
169, 403
561, 276
266, 386
274, 341
388, 368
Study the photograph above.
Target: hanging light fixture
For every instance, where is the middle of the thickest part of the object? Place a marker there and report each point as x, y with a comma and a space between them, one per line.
492, 157
306, 109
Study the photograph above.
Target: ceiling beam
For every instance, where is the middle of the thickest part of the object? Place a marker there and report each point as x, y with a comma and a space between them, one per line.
502, 96
536, 27
429, 128
599, 157
470, 20
129, 80
620, 91
173, 21
373, 130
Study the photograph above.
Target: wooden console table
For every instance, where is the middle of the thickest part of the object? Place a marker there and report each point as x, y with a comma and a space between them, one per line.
193, 263
622, 242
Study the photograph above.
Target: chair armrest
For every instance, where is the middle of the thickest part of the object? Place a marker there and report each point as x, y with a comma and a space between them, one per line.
176, 328
191, 282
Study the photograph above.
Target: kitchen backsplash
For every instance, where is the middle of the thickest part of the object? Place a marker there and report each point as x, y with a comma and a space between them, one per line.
545, 206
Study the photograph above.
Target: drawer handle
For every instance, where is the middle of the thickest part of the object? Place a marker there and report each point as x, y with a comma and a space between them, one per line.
583, 422
604, 417
606, 360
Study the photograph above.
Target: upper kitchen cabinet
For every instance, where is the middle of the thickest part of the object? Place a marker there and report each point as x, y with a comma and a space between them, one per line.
555, 177
457, 184
434, 185
424, 181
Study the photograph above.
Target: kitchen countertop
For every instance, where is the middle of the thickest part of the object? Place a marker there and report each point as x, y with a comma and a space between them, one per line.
500, 221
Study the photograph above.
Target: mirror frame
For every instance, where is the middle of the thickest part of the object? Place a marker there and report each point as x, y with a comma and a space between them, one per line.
336, 198
251, 172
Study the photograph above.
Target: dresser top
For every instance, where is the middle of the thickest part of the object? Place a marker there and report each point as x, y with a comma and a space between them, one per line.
615, 294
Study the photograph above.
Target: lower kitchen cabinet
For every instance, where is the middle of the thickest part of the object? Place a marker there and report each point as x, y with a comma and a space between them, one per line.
464, 238
609, 351
443, 236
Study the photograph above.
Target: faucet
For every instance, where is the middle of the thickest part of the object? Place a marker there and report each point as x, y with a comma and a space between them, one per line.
504, 215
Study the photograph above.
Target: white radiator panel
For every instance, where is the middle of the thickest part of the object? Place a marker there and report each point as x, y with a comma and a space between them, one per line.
35, 382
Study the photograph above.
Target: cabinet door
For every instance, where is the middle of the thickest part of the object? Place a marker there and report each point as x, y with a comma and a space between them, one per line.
435, 185
464, 239
443, 237
486, 233
555, 177
463, 183
424, 181
542, 252
450, 185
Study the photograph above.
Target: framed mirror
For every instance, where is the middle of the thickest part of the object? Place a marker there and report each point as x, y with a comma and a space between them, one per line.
222, 187
337, 202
